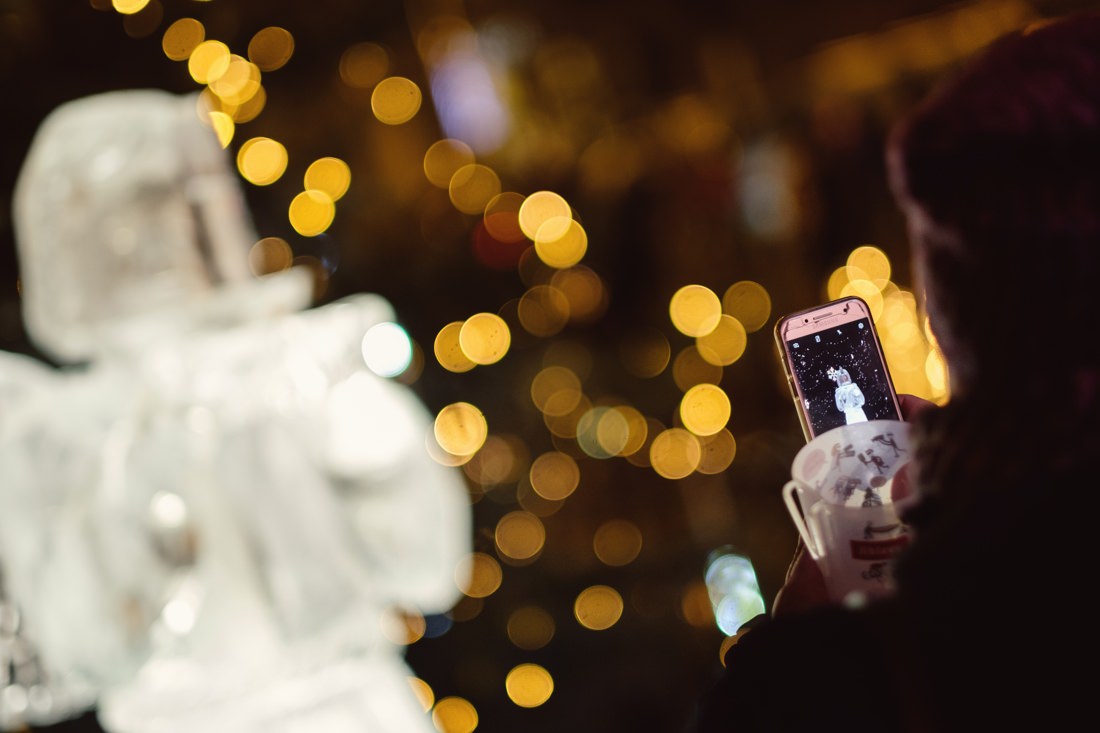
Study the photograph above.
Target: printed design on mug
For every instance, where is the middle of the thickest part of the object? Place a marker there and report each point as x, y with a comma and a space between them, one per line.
845, 485
875, 547
878, 572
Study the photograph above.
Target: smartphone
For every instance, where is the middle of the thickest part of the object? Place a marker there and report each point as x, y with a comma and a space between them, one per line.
835, 366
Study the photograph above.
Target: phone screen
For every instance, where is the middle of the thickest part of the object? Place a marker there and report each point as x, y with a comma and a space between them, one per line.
841, 375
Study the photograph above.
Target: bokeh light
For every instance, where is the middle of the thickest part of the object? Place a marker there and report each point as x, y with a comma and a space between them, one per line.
262, 161
330, 176
519, 536
484, 338
598, 607
555, 475
448, 349
208, 61
541, 207
617, 542
454, 715
749, 303
472, 187
705, 409
181, 38
530, 627
395, 100
387, 349
478, 575
423, 693
311, 213
363, 65
695, 310
529, 685
675, 453
725, 344
460, 429
443, 159
271, 48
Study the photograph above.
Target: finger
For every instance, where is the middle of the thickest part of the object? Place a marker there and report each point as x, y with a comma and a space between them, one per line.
911, 405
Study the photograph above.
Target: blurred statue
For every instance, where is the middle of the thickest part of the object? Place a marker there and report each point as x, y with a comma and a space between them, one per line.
209, 512
849, 397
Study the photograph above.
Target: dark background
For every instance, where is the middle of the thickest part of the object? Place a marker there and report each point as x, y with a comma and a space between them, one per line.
805, 93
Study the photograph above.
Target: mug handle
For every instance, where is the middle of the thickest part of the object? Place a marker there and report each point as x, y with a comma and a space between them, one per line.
796, 515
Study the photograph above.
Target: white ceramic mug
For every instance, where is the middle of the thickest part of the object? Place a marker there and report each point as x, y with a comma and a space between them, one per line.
840, 498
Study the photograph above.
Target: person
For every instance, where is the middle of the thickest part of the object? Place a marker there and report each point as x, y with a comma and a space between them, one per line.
214, 516
998, 175
849, 397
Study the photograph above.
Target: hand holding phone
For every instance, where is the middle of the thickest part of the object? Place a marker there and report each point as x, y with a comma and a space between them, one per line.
835, 366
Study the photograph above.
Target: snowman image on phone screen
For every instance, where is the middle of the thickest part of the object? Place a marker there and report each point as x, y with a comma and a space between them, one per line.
849, 397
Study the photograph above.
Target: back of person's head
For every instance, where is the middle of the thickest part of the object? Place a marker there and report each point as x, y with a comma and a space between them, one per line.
999, 174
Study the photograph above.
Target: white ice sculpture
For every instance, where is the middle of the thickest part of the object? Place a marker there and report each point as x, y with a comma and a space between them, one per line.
207, 517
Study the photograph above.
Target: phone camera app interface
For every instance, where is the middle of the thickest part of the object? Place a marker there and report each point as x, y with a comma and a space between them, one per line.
842, 378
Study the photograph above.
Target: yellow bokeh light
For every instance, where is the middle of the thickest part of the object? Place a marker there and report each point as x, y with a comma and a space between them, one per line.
208, 61
247, 111
637, 427
869, 292
561, 242
520, 535
603, 432
555, 475
363, 65
454, 715
695, 310
725, 344
478, 575
501, 217
484, 338
262, 161
129, 7
445, 157
617, 542
718, 452
543, 311
935, 369
749, 303
872, 261
689, 368
181, 38
311, 213
695, 605
239, 83
270, 48
556, 390
500, 460
540, 207
584, 291
423, 693
460, 429
640, 457
331, 176
675, 453
565, 426
472, 187
705, 409
529, 685
224, 127
448, 349
530, 628
598, 607
395, 100
270, 254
